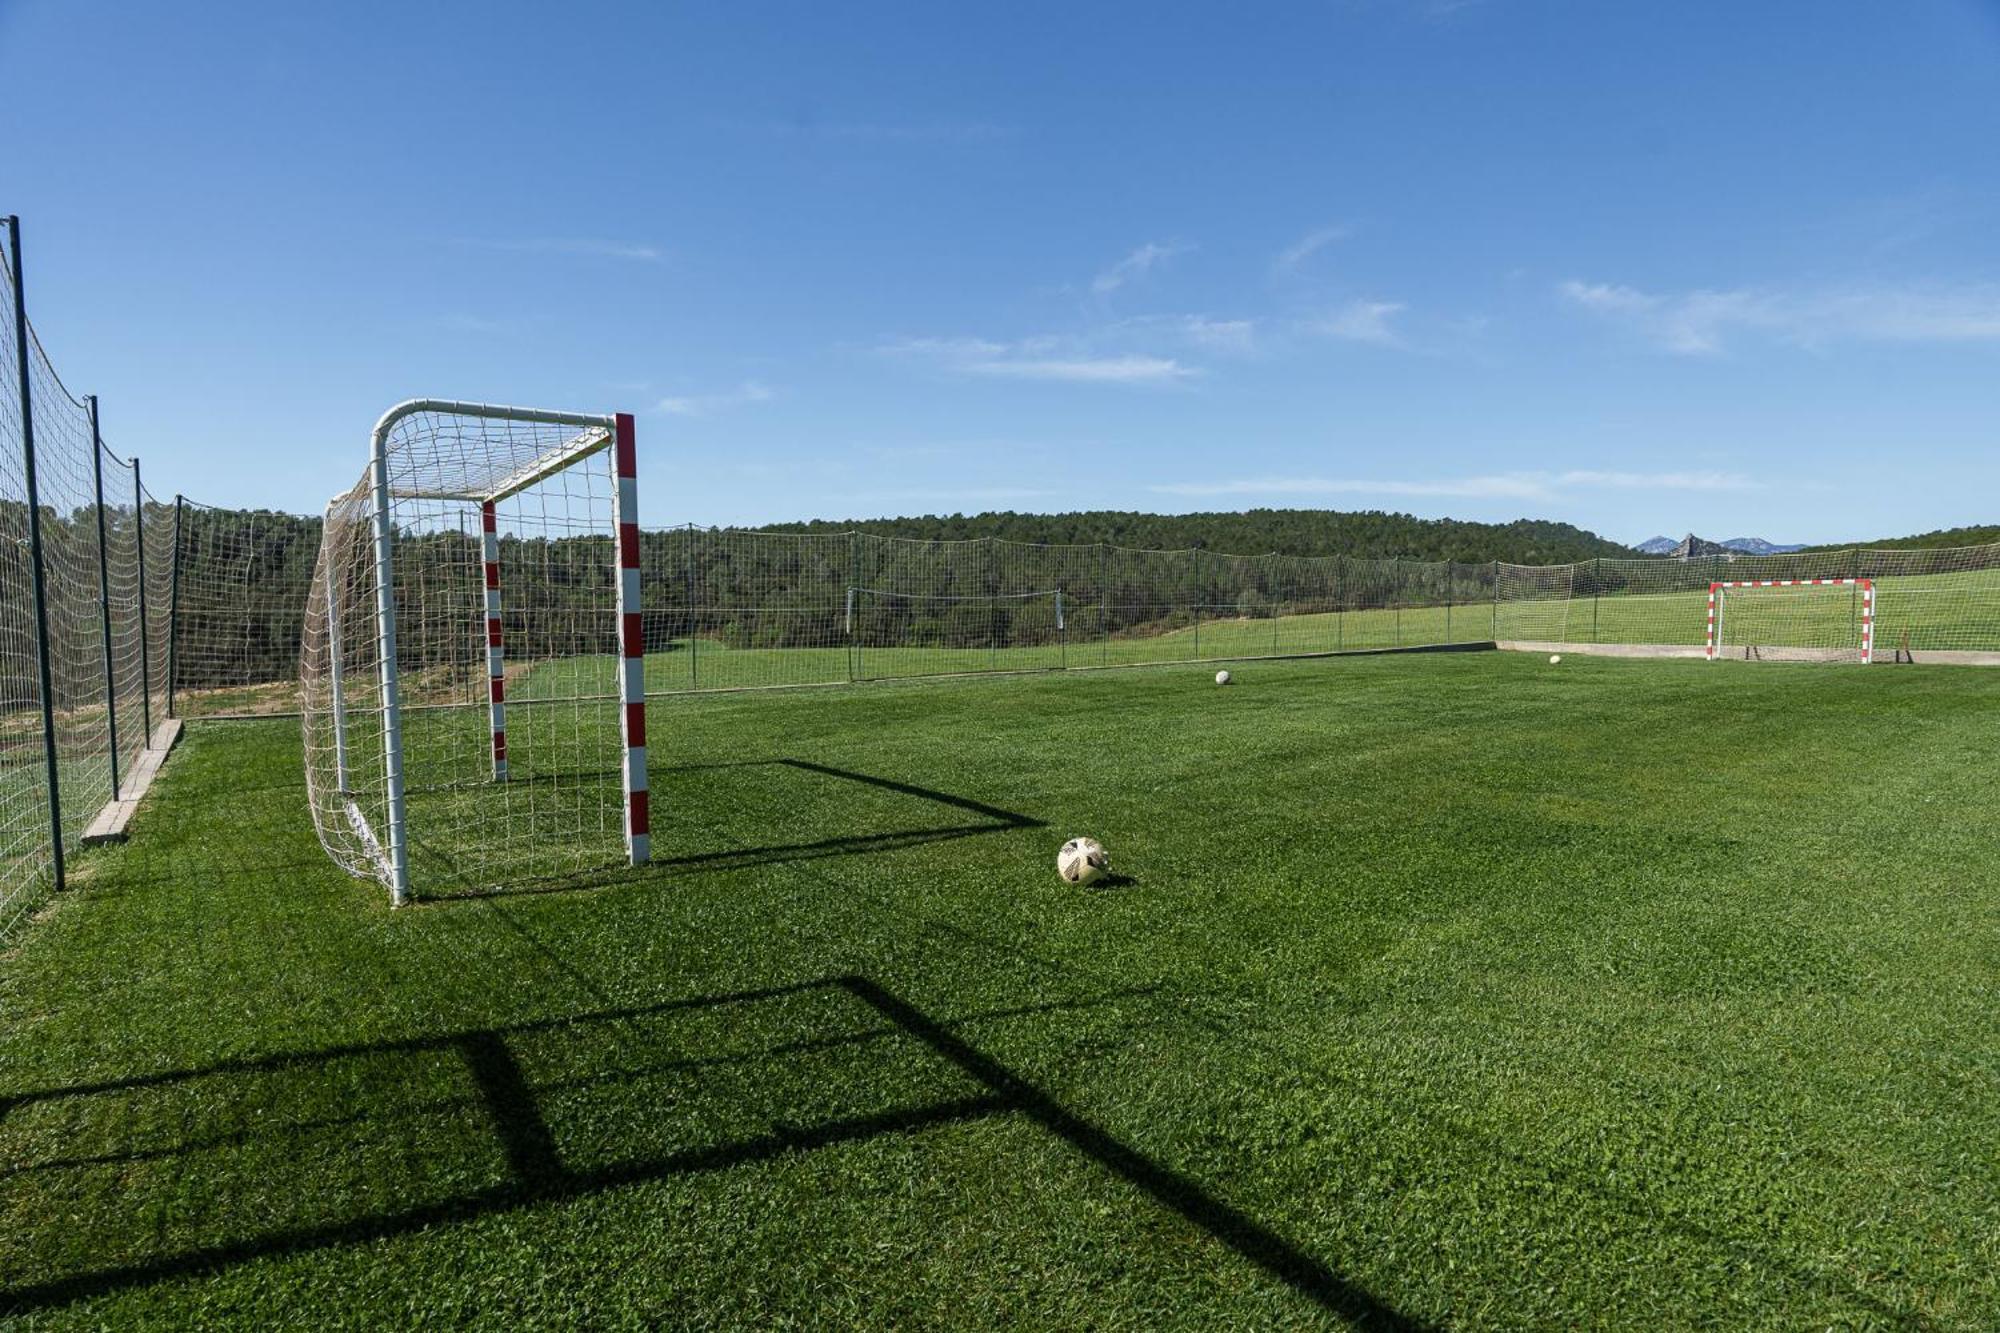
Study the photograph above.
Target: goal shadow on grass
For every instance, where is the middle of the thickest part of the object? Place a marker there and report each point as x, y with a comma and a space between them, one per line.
544, 1142
673, 860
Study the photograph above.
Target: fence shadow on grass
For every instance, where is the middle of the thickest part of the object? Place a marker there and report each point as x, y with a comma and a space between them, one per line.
506, 1069
676, 862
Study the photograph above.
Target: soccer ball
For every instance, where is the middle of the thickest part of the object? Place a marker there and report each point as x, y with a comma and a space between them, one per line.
1082, 861
1555, 659
1222, 678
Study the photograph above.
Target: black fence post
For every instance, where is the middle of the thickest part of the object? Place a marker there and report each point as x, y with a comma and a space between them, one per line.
693, 618
104, 591
1339, 604
145, 648
1448, 568
1396, 596
1197, 603
1596, 591
174, 606
35, 561
854, 663
1496, 601
1104, 599
992, 605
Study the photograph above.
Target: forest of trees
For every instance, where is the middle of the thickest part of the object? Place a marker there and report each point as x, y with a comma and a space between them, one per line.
1981, 535
1363, 533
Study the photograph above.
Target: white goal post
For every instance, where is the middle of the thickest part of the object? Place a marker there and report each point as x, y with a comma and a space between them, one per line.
488, 558
1799, 620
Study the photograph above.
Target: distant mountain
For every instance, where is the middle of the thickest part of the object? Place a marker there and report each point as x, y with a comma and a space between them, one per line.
1693, 545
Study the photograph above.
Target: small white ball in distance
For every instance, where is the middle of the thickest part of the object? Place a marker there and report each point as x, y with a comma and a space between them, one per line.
1082, 861
1555, 659
1222, 678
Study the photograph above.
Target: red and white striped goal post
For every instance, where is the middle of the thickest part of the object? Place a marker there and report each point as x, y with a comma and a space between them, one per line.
1866, 587
631, 640
496, 665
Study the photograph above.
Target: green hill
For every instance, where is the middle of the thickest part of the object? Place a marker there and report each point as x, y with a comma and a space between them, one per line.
1981, 535
1289, 531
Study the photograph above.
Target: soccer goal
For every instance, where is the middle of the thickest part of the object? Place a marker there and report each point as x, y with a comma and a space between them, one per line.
472, 663
1792, 620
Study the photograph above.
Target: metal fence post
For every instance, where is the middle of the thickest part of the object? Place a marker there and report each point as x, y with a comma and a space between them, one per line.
1339, 604
174, 605
145, 649
1197, 603
1104, 598
992, 605
35, 562
1448, 567
104, 591
694, 639
1277, 603
1396, 597
854, 663
1597, 589
1496, 601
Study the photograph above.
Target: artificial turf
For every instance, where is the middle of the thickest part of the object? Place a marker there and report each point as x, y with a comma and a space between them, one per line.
1435, 991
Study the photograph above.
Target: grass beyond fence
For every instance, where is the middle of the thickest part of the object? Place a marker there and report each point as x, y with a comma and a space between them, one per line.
1451, 990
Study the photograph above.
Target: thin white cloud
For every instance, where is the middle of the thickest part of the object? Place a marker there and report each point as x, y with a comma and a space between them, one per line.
1065, 359
1308, 245
468, 323
701, 405
944, 495
1703, 321
1361, 322
1516, 487
1133, 266
1236, 336
932, 131
1663, 481
1087, 370
594, 247
1507, 486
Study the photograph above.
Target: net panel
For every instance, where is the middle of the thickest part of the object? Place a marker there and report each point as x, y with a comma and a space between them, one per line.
1533, 603
237, 581
129, 663
27, 856
66, 483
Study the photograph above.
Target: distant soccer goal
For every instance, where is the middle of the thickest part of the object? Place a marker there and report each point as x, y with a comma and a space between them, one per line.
1792, 620
472, 662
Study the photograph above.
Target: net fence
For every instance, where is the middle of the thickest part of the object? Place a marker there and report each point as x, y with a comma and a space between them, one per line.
100, 694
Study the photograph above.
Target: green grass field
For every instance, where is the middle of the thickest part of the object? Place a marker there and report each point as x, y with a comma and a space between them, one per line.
1434, 991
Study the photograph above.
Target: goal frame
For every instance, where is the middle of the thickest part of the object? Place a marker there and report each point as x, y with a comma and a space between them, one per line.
1717, 603
597, 433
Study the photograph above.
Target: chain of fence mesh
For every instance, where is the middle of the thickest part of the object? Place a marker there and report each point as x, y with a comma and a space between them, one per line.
732, 608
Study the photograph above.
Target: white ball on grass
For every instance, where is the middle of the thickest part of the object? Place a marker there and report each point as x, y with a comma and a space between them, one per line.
1555, 659
1082, 861
1222, 678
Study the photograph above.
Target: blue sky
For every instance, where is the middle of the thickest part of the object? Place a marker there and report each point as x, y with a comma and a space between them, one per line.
1645, 268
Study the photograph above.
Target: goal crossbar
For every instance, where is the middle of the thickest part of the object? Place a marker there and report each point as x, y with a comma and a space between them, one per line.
1718, 596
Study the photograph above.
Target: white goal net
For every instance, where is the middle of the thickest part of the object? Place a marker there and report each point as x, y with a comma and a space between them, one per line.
1792, 620
472, 660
